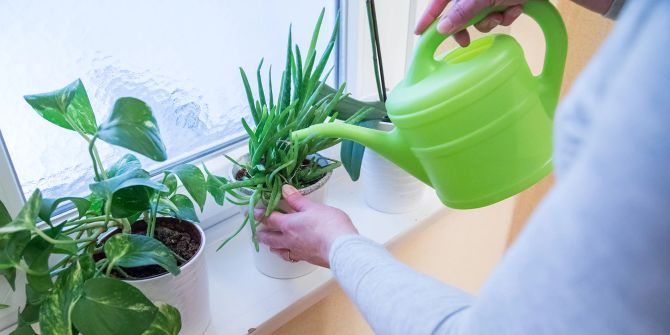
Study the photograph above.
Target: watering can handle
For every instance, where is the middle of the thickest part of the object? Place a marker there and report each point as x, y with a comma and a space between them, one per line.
549, 20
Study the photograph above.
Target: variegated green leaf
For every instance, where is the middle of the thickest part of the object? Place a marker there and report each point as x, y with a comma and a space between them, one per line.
112, 307
132, 125
194, 181
57, 310
66, 106
128, 250
27, 218
167, 321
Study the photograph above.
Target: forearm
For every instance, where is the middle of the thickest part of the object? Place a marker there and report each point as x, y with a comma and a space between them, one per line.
393, 298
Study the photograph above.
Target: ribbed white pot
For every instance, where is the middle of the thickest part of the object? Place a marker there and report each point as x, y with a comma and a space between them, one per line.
188, 291
269, 263
388, 188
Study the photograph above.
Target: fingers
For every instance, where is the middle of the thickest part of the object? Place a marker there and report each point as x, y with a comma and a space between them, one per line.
431, 13
489, 22
276, 220
459, 15
271, 238
294, 199
511, 14
462, 38
283, 253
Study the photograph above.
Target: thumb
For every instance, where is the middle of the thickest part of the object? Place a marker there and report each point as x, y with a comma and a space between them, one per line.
294, 199
459, 15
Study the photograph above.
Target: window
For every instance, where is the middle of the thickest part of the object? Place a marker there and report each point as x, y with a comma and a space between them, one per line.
181, 57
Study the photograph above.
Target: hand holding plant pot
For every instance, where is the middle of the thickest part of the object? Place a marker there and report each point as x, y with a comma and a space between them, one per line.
74, 278
274, 159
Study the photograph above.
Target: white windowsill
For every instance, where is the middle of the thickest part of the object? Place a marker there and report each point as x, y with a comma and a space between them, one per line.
242, 298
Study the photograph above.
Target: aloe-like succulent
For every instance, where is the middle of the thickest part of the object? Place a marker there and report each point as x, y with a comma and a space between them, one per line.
274, 159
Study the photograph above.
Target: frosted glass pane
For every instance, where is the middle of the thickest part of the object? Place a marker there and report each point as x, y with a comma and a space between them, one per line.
181, 57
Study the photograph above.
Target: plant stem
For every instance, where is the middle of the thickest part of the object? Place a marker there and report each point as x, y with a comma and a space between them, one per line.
86, 227
84, 221
54, 241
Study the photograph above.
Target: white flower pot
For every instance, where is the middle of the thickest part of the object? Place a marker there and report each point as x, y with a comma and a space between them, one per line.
386, 187
268, 263
188, 291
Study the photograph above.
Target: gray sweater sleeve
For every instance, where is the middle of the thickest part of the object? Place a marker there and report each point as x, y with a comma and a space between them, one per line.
595, 257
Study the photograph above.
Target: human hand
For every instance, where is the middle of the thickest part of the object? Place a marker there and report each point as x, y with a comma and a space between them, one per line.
307, 232
463, 11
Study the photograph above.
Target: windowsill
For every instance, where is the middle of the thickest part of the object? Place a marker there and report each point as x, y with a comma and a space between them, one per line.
242, 298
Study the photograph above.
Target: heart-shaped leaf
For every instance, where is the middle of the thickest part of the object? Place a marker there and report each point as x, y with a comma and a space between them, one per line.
214, 187
36, 255
131, 191
128, 250
111, 307
67, 105
194, 181
56, 312
48, 206
132, 125
167, 321
127, 163
27, 218
12, 246
179, 206
171, 182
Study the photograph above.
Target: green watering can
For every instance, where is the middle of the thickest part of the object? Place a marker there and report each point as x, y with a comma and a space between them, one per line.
476, 124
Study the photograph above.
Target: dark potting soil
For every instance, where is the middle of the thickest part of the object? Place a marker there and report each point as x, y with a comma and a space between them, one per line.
179, 236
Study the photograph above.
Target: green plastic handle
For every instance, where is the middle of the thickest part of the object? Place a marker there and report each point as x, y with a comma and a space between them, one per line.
549, 20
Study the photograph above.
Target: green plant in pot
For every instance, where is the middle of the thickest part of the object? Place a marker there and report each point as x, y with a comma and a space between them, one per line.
273, 159
77, 268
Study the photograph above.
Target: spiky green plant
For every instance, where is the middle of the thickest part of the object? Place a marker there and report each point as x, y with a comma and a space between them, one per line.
274, 160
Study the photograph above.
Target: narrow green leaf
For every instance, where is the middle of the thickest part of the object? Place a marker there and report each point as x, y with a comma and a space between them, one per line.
194, 181
167, 321
128, 250
70, 102
250, 96
352, 153
111, 307
132, 125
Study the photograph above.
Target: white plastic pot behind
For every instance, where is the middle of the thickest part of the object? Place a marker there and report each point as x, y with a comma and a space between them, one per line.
388, 188
188, 291
267, 262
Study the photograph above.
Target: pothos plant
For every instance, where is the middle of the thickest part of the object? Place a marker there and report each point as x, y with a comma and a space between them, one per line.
69, 290
274, 158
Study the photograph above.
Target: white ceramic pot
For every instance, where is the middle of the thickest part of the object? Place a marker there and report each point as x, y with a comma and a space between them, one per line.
188, 291
386, 187
273, 265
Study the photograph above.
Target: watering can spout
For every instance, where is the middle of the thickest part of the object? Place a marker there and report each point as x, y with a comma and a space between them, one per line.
388, 144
